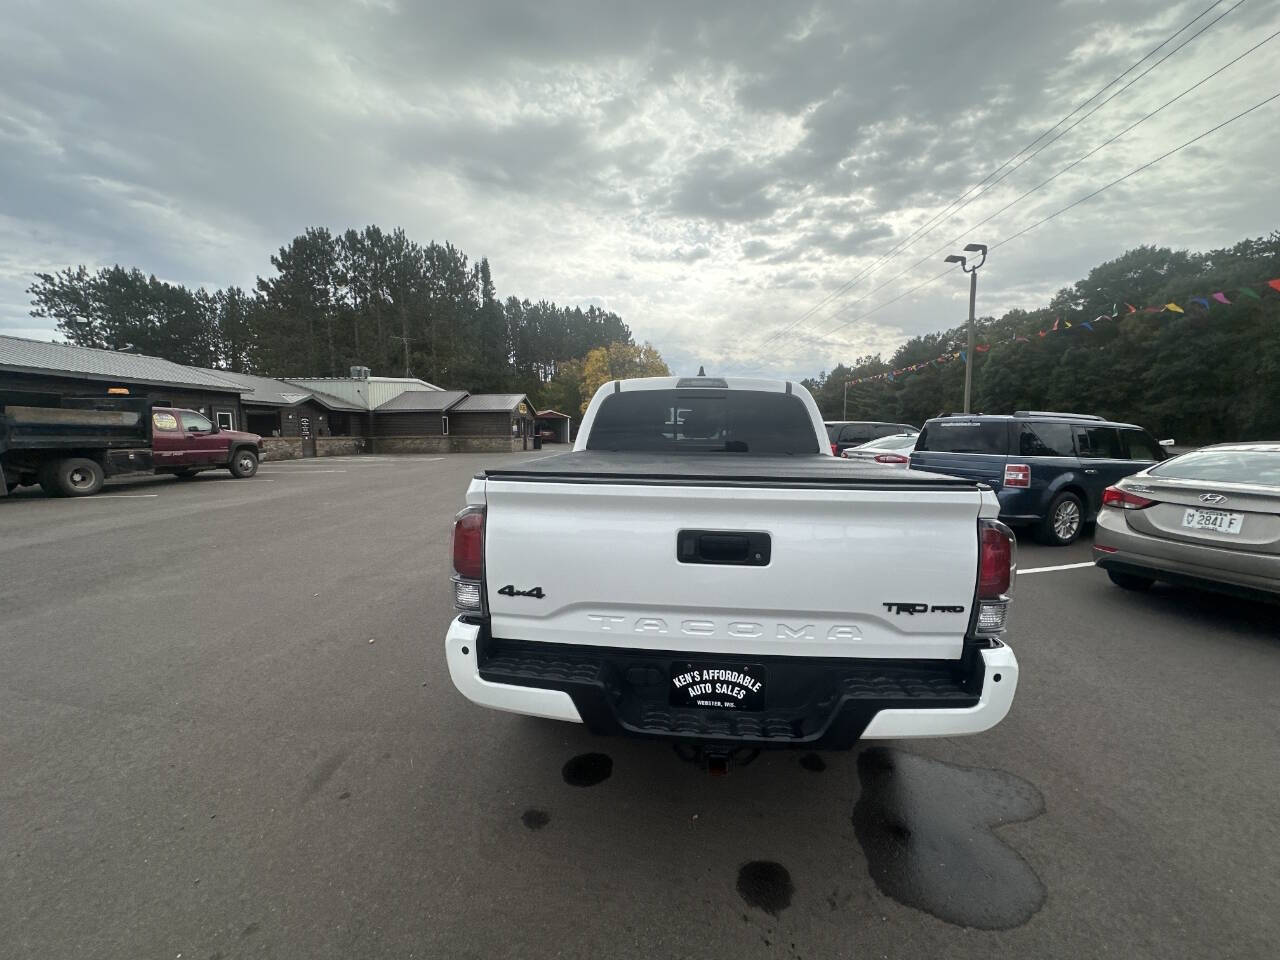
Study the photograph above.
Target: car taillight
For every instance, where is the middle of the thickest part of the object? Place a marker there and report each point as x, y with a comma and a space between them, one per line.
892, 458
1017, 475
996, 563
1115, 497
835, 450
468, 558
997, 566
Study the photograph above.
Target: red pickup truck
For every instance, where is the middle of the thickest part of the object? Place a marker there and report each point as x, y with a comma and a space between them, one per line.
184, 442
70, 450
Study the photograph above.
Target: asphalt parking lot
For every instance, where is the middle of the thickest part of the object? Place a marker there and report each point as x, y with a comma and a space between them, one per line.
226, 730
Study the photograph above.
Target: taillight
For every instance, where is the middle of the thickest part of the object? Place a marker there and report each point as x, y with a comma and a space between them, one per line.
468, 558
468, 543
997, 566
1017, 475
1115, 497
996, 563
835, 449
892, 458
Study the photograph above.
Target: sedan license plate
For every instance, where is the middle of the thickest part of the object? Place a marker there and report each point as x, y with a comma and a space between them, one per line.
1217, 520
717, 686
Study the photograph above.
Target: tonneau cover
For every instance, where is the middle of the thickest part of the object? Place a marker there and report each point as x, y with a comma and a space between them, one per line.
603, 466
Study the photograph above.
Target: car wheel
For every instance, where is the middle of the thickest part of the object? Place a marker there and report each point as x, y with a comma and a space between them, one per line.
244, 464
78, 477
1063, 522
1130, 581
10, 486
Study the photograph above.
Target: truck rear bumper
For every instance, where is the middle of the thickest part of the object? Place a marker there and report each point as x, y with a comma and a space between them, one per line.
822, 704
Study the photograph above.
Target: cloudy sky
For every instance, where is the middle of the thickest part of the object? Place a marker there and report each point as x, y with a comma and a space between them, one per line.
709, 171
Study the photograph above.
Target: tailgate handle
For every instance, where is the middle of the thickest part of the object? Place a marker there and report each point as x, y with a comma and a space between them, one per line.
727, 547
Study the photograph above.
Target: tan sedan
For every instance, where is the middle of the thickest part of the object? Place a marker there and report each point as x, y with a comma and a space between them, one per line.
1207, 519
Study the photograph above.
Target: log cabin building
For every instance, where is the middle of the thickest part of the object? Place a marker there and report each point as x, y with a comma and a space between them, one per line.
310, 416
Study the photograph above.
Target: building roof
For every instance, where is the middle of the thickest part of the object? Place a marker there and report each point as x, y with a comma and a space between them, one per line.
366, 393
490, 403
279, 393
423, 401
411, 383
552, 413
20, 355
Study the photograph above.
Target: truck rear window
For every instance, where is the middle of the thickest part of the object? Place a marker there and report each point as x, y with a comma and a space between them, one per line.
965, 436
703, 421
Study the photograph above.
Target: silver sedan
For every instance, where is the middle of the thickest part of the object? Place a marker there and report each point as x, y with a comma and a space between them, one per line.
894, 449
1208, 519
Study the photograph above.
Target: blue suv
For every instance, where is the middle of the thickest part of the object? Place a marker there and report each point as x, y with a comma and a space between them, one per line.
1048, 469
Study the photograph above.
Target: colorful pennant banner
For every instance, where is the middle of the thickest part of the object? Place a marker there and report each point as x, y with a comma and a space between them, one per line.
1061, 325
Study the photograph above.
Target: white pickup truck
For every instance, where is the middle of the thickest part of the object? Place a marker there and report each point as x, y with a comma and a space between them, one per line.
701, 569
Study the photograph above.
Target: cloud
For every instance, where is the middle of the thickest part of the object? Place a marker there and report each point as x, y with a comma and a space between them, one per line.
709, 171
675, 254
720, 186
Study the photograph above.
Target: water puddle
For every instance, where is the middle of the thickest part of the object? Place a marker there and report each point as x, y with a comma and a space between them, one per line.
535, 819
587, 769
927, 830
765, 885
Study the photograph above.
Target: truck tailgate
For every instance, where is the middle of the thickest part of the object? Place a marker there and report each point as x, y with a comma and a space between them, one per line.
845, 573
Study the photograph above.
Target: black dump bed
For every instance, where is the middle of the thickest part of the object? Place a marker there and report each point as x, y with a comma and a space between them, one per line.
80, 423
718, 469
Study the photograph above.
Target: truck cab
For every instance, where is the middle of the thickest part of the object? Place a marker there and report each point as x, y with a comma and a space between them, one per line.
184, 442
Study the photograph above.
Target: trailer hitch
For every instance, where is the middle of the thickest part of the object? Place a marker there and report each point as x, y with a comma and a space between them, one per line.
716, 760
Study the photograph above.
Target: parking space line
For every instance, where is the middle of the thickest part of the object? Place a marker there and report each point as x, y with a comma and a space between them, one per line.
1064, 566
118, 496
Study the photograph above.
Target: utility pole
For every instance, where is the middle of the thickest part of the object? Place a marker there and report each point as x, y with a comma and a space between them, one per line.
846, 400
968, 357
972, 271
405, 341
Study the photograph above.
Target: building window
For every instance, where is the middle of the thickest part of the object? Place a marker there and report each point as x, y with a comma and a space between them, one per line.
225, 420
444, 426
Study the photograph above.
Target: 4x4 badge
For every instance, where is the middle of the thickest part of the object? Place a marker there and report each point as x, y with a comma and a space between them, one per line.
510, 591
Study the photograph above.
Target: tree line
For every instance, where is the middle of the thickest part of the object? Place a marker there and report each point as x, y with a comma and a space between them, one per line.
363, 297
1203, 376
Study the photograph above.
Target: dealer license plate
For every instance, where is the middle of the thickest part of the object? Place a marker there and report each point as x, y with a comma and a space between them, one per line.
1217, 520
717, 686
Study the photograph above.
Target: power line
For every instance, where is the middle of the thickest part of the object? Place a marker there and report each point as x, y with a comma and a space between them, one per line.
1062, 210
1047, 143
973, 226
1107, 142
964, 199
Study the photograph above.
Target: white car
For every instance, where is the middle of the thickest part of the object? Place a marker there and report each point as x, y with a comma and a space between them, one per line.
894, 450
700, 569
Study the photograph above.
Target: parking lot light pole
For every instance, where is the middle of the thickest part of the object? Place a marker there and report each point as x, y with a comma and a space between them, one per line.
972, 271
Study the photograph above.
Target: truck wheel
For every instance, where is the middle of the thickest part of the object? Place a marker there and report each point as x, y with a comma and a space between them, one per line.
1063, 522
1130, 581
244, 463
78, 477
